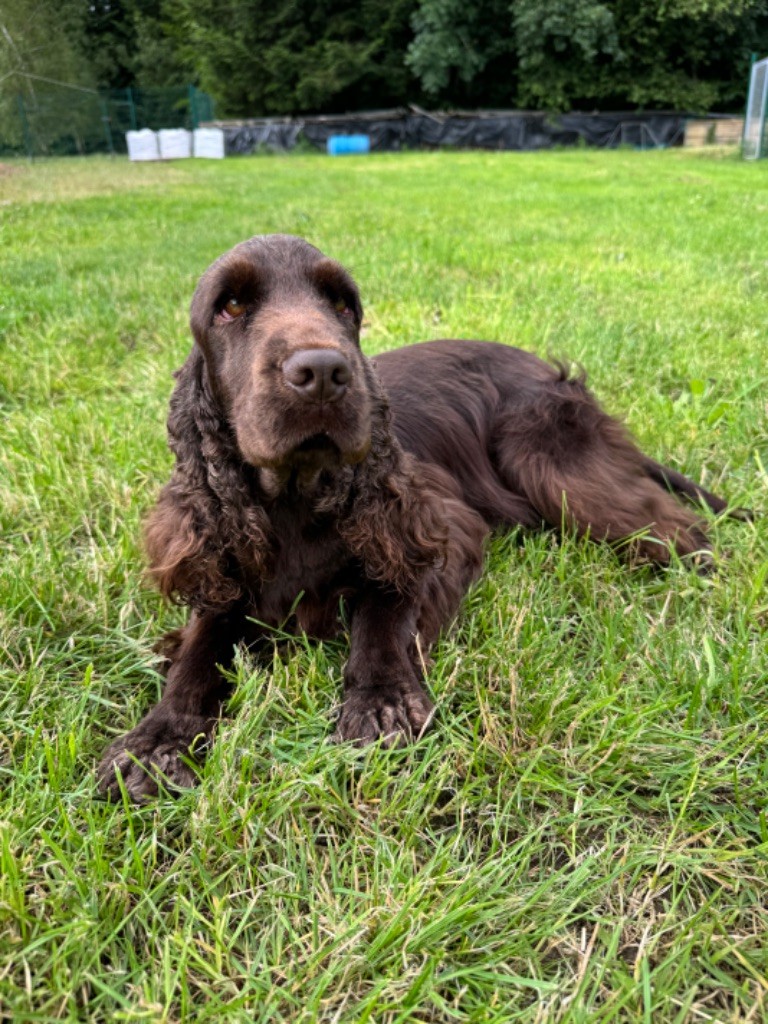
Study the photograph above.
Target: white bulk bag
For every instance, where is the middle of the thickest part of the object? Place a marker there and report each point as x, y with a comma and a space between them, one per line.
209, 143
142, 145
175, 143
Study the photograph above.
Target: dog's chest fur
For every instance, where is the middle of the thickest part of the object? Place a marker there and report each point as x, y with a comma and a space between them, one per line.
312, 571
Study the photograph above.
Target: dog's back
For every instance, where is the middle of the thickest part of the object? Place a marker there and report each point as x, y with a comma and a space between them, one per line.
530, 444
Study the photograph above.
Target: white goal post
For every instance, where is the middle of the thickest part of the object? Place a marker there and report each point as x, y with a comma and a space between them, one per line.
755, 141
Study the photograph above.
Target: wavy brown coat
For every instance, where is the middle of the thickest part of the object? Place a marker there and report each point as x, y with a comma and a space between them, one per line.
309, 479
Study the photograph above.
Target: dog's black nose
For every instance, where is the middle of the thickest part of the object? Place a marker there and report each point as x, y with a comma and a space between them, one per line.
318, 374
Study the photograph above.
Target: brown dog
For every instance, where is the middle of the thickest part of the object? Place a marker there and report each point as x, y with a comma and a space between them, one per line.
307, 476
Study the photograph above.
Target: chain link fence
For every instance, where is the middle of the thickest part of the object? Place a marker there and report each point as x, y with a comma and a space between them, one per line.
57, 119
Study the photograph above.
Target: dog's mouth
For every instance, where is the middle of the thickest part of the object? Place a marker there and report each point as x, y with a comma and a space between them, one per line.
323, 451
306, 462
320, 444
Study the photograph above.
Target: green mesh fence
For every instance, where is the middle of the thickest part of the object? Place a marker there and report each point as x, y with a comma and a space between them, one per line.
59, 120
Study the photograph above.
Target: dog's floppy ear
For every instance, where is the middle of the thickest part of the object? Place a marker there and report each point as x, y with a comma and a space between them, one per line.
205, 530
397, 523
180, 533
203, 307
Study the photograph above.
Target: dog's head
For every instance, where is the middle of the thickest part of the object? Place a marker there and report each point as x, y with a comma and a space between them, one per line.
278, 324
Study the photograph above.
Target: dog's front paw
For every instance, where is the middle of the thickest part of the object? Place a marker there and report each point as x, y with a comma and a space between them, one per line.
396, 714
156, 753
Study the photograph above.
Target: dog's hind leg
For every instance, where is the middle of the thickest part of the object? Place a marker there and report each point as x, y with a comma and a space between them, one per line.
579, 468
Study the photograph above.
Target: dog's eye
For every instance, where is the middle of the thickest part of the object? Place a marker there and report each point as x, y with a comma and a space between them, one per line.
342, 307
232, 309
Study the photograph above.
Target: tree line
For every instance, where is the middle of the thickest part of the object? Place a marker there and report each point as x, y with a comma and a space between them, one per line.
266, 57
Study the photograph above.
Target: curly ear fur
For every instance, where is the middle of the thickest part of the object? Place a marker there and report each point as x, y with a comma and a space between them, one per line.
205, 536
397, 522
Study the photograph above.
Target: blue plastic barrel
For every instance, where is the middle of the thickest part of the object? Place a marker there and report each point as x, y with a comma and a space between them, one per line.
341, 145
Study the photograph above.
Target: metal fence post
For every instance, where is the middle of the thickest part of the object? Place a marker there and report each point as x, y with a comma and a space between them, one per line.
193, 106
131, 109
107, 125
25, 127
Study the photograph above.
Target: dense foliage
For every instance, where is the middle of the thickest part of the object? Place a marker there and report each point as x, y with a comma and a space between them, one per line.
267, 57
291, 56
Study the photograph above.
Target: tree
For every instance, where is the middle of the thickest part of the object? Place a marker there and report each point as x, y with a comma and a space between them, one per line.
162, 56
463, 51
260, 57
684, 54
680, 54
132, 43
561, 47
35, 46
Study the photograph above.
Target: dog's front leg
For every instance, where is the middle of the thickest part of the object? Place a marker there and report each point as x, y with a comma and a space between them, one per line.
180, 727
383, 695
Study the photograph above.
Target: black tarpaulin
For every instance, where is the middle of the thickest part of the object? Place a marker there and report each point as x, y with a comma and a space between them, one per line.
393, 130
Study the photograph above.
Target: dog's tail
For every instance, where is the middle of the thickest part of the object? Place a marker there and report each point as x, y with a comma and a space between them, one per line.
675, 482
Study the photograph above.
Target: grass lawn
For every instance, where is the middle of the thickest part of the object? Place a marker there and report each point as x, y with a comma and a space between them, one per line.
583, 837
